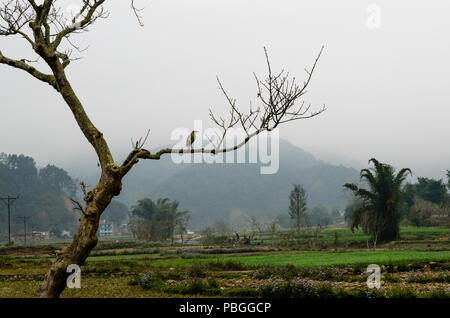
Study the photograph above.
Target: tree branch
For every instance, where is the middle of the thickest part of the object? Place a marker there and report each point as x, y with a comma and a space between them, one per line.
277, 94
47, 78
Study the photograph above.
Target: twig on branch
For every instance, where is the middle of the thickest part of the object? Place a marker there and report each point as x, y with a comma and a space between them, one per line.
136, 13
277, 97
78, 206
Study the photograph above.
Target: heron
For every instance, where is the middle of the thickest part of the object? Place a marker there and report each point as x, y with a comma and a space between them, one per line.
191, 138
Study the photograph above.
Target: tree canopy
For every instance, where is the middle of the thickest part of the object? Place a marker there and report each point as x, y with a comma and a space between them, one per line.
379, 214
160, 219
44, 195
431, 190
297, 206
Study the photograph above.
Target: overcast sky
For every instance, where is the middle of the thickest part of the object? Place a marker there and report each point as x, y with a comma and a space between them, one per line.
386, 89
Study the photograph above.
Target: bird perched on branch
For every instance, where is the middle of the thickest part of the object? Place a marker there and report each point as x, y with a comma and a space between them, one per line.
191, 138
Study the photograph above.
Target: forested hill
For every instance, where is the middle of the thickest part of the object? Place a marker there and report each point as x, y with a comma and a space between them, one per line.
211, 192
230, 192
44, 196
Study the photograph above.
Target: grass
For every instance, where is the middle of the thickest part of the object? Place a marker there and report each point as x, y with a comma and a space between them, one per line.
313, 259
232, 272
299, 259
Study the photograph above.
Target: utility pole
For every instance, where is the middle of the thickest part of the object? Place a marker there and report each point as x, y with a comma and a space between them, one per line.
10, 200
25, 218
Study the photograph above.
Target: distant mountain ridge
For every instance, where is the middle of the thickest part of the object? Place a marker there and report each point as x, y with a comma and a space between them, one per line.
231, 192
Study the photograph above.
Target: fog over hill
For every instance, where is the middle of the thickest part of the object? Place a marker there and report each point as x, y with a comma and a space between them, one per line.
231, 192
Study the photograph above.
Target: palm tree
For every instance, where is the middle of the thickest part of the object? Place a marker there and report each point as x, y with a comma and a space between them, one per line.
379, 214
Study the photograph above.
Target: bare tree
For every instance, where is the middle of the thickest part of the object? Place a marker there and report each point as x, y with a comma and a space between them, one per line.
255, 224
49, 31
272, 228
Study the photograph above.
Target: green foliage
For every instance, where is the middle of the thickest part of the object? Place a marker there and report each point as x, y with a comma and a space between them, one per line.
297, 206
319, 216
425, 213
431, 190
226, 266
44, 195
430, 277
156, 220
116, 213
241, 292
355, 204
299, 288
212, 239
58, 179
438, 293
195, 270
149, 280
390, 277
196, 286
196, 186
448, 179
379, 214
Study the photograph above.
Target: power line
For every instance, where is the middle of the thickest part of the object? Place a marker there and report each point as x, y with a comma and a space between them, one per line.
25, 218
10, 200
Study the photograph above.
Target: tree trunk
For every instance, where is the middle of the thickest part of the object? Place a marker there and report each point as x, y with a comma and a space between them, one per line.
96, 199
86, 237
76, 253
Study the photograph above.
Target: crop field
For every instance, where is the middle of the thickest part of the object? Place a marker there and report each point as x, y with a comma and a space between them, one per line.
418, 265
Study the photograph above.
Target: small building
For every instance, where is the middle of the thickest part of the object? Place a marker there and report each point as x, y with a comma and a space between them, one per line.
106, 229
40, 235
65, 234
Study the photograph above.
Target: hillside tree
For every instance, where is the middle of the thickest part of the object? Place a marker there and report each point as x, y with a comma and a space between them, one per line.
51, 37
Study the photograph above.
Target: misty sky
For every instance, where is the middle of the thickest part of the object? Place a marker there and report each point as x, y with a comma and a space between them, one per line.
386, 89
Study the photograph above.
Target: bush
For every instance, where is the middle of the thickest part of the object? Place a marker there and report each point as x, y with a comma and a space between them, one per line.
196, 286
212, 283
149, 280
195, 271
216, 240
299, 288
226, 266
438, 293
242, 292
429, 277
389, 277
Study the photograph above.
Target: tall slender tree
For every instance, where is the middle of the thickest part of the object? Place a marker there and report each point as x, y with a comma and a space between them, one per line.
448, 179
297, 206
379, 213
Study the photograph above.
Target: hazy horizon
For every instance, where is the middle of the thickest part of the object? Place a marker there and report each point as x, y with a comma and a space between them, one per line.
384, 89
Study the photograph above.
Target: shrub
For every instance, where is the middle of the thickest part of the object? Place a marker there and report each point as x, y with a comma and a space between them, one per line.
212, 283
197, 286
438, 293
391, 278
195, 271
149, 280
226, 266
242, 292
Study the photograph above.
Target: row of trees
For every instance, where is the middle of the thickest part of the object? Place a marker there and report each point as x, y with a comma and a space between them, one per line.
44, 195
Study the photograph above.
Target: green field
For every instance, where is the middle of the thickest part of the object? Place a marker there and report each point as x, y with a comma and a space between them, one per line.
313, 259
418, 265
